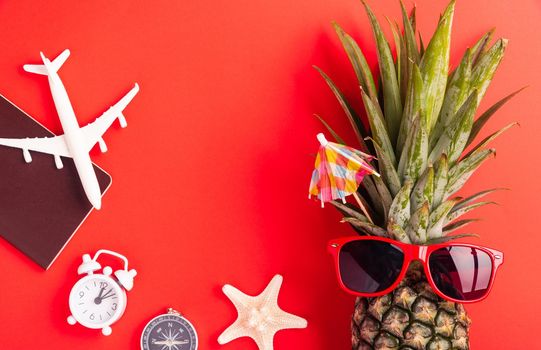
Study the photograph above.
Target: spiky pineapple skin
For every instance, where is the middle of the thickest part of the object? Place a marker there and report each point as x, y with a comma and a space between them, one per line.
411, 317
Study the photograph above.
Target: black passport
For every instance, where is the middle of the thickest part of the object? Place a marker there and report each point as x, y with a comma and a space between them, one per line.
41, 206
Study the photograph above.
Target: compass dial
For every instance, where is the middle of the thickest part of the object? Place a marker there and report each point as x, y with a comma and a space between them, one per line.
169, 332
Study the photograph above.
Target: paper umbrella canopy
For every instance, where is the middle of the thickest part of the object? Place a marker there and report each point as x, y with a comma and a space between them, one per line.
339, 170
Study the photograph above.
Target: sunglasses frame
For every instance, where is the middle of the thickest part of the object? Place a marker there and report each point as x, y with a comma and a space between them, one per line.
412, 252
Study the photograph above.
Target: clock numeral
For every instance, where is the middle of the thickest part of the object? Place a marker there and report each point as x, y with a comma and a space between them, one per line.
103, 284
81, 294
92, 316
114, 306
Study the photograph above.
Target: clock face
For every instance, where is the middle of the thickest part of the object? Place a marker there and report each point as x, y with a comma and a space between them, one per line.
97, 301
169, 332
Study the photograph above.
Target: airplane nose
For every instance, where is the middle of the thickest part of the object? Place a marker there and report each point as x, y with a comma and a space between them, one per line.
96, 202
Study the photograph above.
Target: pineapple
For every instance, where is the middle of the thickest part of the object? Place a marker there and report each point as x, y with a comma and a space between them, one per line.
421, 122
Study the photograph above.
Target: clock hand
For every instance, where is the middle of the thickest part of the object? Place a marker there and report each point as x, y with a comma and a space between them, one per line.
97, 300
107, 295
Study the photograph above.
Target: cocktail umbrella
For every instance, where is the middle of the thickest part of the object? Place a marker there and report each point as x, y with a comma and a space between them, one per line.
339, 170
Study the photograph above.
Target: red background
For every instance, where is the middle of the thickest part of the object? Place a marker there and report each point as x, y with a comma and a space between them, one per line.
211, 176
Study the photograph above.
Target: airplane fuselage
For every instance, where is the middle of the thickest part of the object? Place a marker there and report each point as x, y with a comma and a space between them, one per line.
76, 142
74, 135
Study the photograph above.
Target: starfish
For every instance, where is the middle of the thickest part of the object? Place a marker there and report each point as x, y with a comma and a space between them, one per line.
259, 317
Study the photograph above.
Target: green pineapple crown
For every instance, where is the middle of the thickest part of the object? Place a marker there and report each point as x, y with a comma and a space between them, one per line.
421, 122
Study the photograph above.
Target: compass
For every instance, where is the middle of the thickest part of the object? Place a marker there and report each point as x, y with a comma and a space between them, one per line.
169, 331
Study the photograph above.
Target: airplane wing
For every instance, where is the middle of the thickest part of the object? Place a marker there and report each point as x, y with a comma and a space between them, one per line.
55, 145
94, 131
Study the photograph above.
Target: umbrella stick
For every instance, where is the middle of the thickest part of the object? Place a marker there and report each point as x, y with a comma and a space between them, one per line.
362, 207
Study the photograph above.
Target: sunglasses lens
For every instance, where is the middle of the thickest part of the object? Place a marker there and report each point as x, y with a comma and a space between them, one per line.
369, 266
461, 272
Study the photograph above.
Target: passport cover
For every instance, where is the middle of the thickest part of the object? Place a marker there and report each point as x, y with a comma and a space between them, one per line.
41, 207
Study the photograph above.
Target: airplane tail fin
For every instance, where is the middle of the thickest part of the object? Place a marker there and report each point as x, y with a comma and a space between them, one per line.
44, 69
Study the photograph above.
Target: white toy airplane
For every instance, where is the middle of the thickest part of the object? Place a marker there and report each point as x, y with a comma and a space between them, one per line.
76, 142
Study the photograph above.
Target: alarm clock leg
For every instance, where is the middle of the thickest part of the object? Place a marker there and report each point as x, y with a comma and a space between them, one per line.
106, 330
71, 320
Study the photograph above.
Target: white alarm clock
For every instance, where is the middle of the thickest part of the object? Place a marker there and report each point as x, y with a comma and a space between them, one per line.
98, 300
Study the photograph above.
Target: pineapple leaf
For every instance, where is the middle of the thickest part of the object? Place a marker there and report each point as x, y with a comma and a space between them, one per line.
414, 156
377, 126
461, 172
435, 66
455, 136
417, 226
366, 227
489, 138
364, 206
404, 75
446, 239
456, 213
387, 168
397, 232
402, 64
424, 189
481, 121
409, 54
441, 179
400, 53
409, 34
464, 125
457, 225
374, 196
421, 46
392, 104
438, 217
354, 119
484, 69
455, 96
349, 210
383, 190
379, 194
412, 106
331, 131
413, 18
400, 208
480, 46
474, 197
358, 61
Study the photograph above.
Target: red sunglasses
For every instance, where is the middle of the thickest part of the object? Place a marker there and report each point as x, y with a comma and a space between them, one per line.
369, 266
